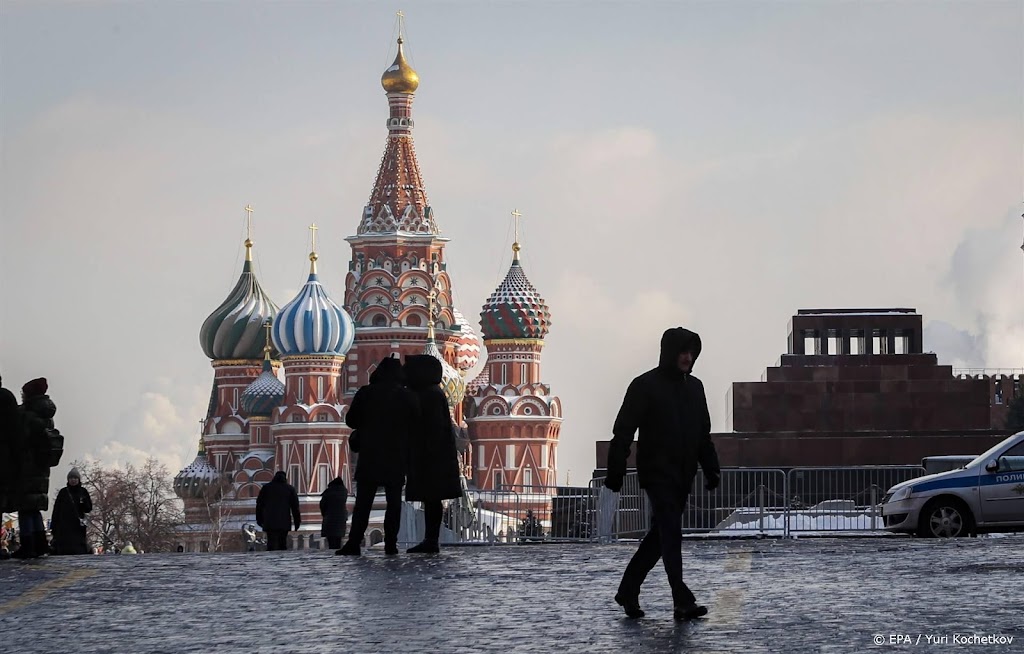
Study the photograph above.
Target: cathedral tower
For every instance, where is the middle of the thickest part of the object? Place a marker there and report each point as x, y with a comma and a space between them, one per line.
398, 257
513, 418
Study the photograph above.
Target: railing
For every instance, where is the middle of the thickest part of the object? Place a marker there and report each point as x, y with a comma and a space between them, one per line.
769, 502
988, 372
747, 502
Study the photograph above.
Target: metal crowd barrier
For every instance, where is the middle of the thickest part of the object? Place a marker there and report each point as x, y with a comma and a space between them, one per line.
766, 502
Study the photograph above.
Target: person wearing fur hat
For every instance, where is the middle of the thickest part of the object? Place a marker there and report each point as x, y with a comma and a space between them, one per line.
384, 412
68, 521
33, 458
434, 459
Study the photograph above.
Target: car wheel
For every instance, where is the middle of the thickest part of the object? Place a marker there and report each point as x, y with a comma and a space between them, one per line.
945, 518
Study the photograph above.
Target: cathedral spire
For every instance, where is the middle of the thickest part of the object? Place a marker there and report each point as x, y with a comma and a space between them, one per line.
398, 202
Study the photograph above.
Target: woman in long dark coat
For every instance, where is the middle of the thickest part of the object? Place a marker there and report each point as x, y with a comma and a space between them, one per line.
433, 461
67, 523
33, 452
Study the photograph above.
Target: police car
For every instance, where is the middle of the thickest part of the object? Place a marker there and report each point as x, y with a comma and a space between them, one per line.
987, 494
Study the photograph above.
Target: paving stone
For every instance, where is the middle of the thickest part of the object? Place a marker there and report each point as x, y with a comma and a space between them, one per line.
804, 595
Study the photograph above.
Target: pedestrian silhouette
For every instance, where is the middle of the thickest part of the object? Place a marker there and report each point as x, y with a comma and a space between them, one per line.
670, 409
34, 456
10, 439
433, 457
383, 412
334, 512
68, 521
277, 508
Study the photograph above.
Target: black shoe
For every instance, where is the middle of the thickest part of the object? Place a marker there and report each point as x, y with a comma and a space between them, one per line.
689, 611
630, 604
391, 549
350, 549
424, 548
23, 553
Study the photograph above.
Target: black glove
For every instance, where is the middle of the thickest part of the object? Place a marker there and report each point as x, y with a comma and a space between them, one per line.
613, 483
296, 526
711, 480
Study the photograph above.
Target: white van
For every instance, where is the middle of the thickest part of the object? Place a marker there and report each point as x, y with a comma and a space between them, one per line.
985, 495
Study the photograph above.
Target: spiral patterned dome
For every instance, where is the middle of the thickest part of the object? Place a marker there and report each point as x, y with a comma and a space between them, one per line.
192, 482
515, 309
264, 394
234, 329
313, 323
467, 352
452, 382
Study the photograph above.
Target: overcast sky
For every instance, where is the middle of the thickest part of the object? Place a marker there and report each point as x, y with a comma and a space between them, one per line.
717, 165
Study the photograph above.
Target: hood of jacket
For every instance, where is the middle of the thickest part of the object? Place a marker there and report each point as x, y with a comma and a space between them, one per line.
674, 342
280, 477
422, 371
389, 370
337, 482
42, 406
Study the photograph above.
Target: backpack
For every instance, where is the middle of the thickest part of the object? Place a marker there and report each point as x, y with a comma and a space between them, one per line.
56, 450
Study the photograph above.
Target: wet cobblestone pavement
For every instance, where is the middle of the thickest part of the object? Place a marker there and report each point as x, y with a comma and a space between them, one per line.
808, 595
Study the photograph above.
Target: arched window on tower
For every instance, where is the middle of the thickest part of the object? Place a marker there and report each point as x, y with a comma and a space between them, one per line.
504, 373
319, 389
522, 373
380, 321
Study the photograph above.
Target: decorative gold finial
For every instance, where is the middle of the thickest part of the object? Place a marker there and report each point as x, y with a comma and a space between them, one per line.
267, 324
312, 253
248, 233
400, 77
430, 315
202, 441
515, 244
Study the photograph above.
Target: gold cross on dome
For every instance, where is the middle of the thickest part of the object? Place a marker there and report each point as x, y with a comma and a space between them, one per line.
248, 221
515, 217
312, 232
401, 22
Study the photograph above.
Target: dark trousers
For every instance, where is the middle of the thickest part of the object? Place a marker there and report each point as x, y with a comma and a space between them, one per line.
664, 541
432, 512
277, 539
334, 542
365, 492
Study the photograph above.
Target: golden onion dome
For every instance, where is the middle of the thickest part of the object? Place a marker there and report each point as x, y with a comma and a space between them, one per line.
400, 77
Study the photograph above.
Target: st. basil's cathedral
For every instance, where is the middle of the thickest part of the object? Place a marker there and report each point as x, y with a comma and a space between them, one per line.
398, 301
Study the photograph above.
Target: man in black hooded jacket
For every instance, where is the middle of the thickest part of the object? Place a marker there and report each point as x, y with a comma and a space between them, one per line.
668, 406
277, 507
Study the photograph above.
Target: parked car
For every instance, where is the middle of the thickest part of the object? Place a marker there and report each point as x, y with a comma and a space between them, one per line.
985, 495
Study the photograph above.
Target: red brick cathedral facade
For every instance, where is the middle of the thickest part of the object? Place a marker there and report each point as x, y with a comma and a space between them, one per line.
398, 300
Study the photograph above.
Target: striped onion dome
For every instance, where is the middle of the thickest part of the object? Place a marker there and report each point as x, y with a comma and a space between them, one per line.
312, 323
264, 394
452, 382
234, 329
480, 381
467, 352
515, 309
192, 482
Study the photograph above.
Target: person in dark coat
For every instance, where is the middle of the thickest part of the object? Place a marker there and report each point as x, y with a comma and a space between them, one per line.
67, 524
383, 412
33, 454
334, 512
433, 457
10, 437
277, 508
668, 406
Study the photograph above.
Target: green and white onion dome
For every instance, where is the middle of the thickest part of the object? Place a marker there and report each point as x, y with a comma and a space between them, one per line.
235, 329
264, 394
